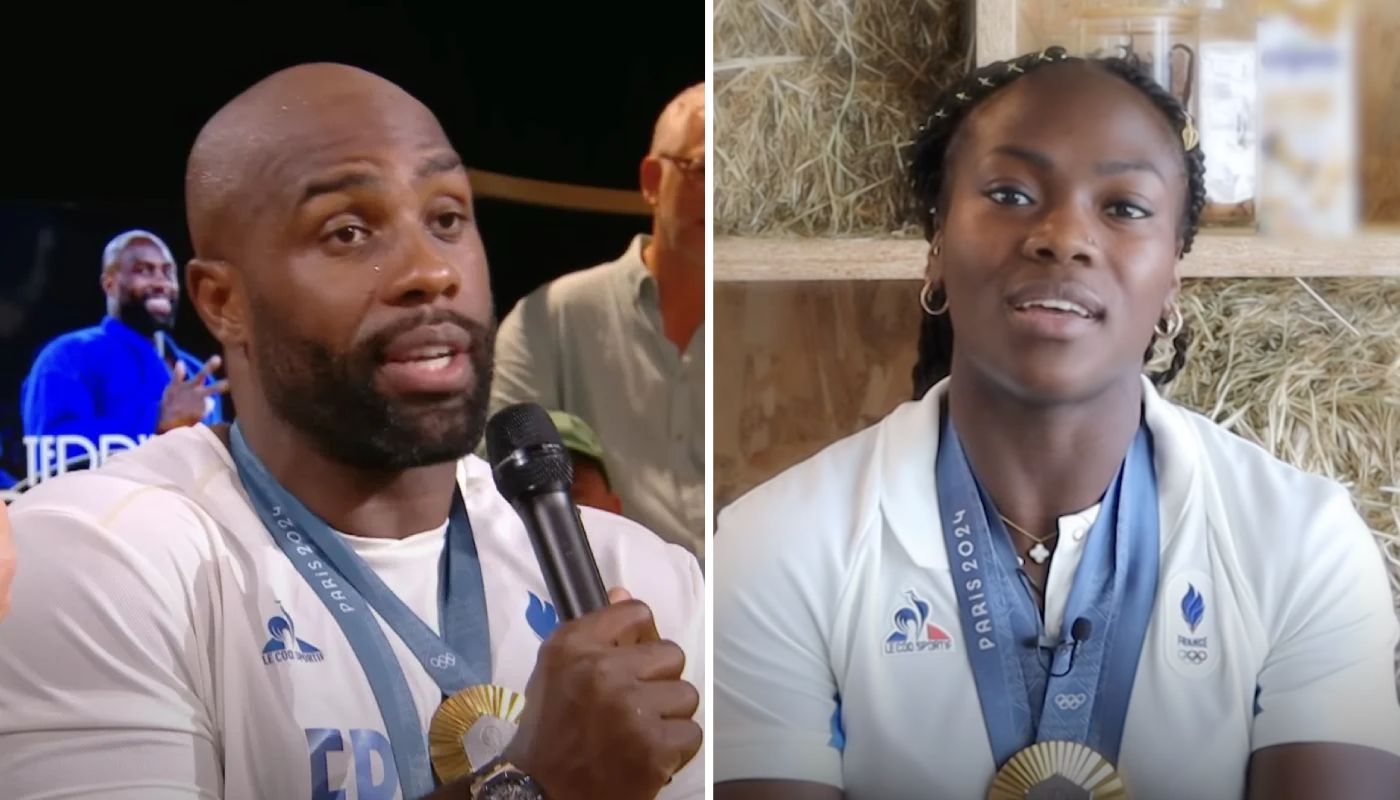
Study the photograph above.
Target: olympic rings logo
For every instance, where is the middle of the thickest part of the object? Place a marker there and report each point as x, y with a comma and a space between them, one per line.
1070, 702
1194, 656
443, 661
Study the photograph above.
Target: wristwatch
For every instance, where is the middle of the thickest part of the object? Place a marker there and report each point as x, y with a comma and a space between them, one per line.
502, 780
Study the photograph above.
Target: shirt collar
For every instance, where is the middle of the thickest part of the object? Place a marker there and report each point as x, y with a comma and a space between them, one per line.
908, 490
1079, 521
640, 282
115, 327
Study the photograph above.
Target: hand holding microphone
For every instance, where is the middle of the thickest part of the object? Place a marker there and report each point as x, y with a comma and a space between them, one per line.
606, 712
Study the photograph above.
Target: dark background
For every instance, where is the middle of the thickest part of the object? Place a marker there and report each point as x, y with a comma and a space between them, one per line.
100, 110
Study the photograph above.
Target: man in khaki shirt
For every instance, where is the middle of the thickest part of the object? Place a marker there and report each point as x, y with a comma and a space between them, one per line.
621, 345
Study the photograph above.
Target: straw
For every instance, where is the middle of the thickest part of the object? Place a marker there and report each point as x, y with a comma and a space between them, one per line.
815, 102
1310, 372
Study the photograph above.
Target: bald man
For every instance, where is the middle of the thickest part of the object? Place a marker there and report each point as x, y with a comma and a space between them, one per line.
622, 345
278, 609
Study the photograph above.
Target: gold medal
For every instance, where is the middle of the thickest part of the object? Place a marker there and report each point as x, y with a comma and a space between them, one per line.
1055, 771
470, 728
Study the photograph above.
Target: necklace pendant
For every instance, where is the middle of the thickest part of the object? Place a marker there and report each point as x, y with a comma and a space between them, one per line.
1039, 553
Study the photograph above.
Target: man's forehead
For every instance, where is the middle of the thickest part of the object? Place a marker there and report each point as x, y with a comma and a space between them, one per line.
294, 123
695, 126
682, 132
144, 250
299, 149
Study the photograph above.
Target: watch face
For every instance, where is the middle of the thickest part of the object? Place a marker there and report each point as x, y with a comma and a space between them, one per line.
510, 786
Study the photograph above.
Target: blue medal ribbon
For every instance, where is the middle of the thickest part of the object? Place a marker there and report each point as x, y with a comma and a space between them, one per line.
460, 658
1114, 588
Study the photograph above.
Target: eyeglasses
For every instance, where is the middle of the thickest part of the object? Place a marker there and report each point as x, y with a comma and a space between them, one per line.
690, 167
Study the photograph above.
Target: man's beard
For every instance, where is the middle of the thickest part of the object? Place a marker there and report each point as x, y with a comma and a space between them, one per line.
331, 397
133, 313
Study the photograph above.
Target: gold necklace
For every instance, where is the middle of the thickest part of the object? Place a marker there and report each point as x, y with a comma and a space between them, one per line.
1039, 553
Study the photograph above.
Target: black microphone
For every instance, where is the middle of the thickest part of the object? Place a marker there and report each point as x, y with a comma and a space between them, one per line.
1079, 631
533, 471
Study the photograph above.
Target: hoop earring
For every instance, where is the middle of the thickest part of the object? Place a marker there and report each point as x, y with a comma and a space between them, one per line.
924, 302
1174, 324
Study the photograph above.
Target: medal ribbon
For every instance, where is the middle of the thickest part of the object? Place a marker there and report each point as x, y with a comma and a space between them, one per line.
1114, 588
352, 593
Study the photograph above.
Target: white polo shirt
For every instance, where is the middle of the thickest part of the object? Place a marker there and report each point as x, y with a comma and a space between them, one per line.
1295, 643
162, 647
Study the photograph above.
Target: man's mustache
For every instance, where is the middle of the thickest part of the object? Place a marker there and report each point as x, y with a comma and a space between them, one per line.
141, 297
481, 335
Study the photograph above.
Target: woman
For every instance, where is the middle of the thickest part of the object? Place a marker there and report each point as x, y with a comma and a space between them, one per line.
1041, 563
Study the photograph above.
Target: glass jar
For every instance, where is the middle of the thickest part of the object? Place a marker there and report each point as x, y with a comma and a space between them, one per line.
1213, 80
1162, 36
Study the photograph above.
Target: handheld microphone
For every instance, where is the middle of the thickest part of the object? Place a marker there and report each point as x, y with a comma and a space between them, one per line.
1079, 631
533, 471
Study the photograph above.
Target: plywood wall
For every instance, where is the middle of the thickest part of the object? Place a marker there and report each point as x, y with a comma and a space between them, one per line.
1379, 67
799, 365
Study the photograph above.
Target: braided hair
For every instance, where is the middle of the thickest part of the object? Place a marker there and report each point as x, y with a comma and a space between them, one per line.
928, 170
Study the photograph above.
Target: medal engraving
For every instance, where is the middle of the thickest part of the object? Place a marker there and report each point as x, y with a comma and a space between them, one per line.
472, 727
486, 739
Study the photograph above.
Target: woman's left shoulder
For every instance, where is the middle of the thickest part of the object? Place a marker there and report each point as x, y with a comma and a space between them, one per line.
1258, 491
1234, 461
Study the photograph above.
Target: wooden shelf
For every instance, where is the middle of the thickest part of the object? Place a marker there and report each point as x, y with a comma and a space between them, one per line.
1374, 253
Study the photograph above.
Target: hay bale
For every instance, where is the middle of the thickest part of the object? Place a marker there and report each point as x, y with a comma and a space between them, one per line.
1310, 370
815, 101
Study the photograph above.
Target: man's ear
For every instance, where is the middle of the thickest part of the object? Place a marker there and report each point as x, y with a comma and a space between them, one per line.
108, 281
651, 179
216, 290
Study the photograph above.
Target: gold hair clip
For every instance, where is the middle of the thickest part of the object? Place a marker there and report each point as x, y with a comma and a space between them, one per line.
1044, 56
1014, 68
1190, 137
941, 114
962, 96
984, 81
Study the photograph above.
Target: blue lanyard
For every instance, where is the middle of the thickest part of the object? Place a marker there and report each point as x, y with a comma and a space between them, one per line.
350, 589
1114, 588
